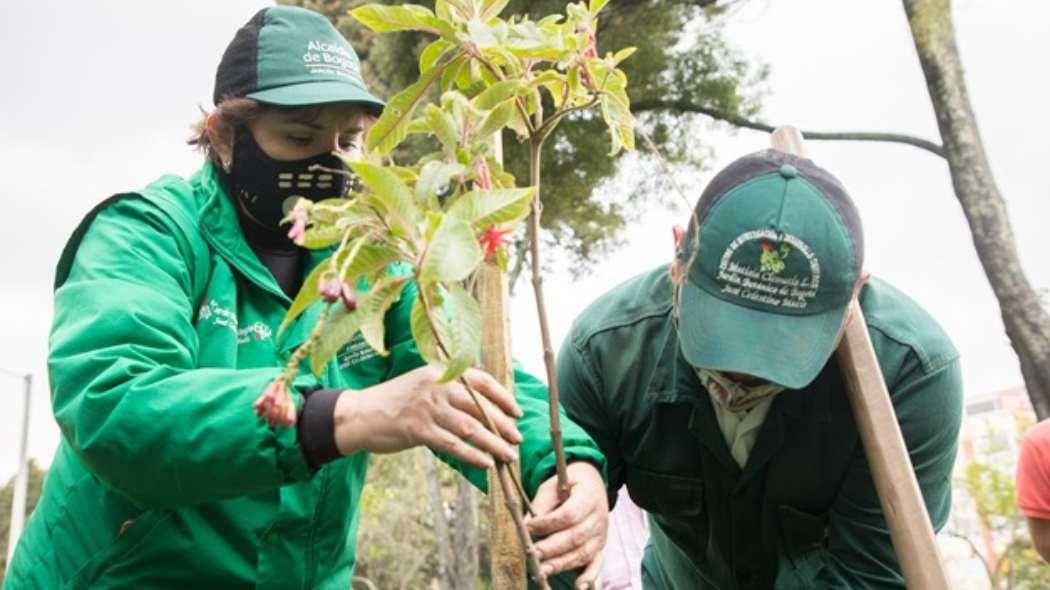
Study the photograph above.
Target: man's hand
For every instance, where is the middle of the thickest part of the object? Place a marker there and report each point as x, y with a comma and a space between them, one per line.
574, 531
414, 409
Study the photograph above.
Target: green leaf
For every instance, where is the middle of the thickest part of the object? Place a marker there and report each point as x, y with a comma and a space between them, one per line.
432, 53
443, 126
453, 253
492, 8
368, 259
577, 12
307, 294
459, 108
406, 17
623, 54
322, 236
500, 177
452, 10
452, 73
597, 5
469, 75
528, 40
390, 196
434, 219
618, 118
555, 83
434, 176
423, 335
392, 127
572, 78
339, 329
497, 93
374, 307
497, 119
498, 207
328, 211
465, 323
481, 34
420, 125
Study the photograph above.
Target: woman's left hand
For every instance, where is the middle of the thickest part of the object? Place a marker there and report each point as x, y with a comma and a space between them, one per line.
575, 530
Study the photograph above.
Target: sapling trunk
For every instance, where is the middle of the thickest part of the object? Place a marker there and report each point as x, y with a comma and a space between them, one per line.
535, 151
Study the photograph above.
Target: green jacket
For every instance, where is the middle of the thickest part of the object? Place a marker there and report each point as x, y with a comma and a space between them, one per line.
164, 333
803, 513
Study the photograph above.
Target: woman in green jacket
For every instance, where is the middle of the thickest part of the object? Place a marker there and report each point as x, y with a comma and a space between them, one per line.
167, 302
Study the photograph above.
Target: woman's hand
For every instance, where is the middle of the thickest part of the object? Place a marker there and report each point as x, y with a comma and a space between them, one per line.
575, 530
414, 409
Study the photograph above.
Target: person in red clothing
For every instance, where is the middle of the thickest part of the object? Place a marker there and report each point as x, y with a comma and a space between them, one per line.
1033, 485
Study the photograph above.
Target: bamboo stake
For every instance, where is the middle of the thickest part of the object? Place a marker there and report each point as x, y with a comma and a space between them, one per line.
506, 563
891, 468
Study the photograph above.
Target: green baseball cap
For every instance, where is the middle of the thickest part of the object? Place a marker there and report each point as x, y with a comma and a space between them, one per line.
780, 251
290, 56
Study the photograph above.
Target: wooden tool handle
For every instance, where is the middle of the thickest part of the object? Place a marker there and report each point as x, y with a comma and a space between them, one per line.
891, 468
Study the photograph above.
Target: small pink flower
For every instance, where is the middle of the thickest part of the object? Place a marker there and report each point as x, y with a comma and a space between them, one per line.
336, 290
492, 239
331, 290
298, 216
348, 297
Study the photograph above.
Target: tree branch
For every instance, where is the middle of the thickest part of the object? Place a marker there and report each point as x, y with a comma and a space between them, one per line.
976, 552
737, 121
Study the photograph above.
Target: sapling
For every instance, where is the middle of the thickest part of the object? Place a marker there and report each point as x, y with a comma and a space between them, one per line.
424, 228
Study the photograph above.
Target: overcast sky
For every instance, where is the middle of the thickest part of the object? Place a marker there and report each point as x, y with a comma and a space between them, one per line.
98, 97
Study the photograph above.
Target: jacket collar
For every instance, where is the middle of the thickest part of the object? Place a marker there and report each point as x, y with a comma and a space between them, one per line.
674, 381
218, 223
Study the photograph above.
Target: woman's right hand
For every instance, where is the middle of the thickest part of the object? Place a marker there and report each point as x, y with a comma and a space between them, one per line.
414, 409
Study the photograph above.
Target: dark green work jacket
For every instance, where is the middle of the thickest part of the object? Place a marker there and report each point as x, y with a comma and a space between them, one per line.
803, 512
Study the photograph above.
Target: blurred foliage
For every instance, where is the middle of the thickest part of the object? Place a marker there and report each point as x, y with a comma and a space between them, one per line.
682, 55
397, 545
1017, 566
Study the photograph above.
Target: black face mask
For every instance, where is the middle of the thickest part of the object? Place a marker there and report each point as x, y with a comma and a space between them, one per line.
265, 189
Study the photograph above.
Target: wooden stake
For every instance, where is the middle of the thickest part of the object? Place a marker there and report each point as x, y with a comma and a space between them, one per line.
507, 553
888, 459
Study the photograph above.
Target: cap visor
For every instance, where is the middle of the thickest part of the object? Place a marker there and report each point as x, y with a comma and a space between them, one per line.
312, 93
789, 350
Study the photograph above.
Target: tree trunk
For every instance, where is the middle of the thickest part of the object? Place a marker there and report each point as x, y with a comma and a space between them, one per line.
1027, 322
465, 534
446, 555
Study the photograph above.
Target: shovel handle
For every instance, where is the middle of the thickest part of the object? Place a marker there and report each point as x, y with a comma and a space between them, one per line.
880, 433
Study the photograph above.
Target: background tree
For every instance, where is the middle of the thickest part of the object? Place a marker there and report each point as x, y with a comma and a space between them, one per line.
682, 55
1027, 321
419, 526
33, 487
1012, 562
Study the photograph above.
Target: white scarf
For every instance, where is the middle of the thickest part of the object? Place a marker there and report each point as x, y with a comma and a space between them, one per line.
733, 396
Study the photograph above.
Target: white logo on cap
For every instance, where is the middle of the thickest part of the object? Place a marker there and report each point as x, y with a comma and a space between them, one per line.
331, 59
763, 281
